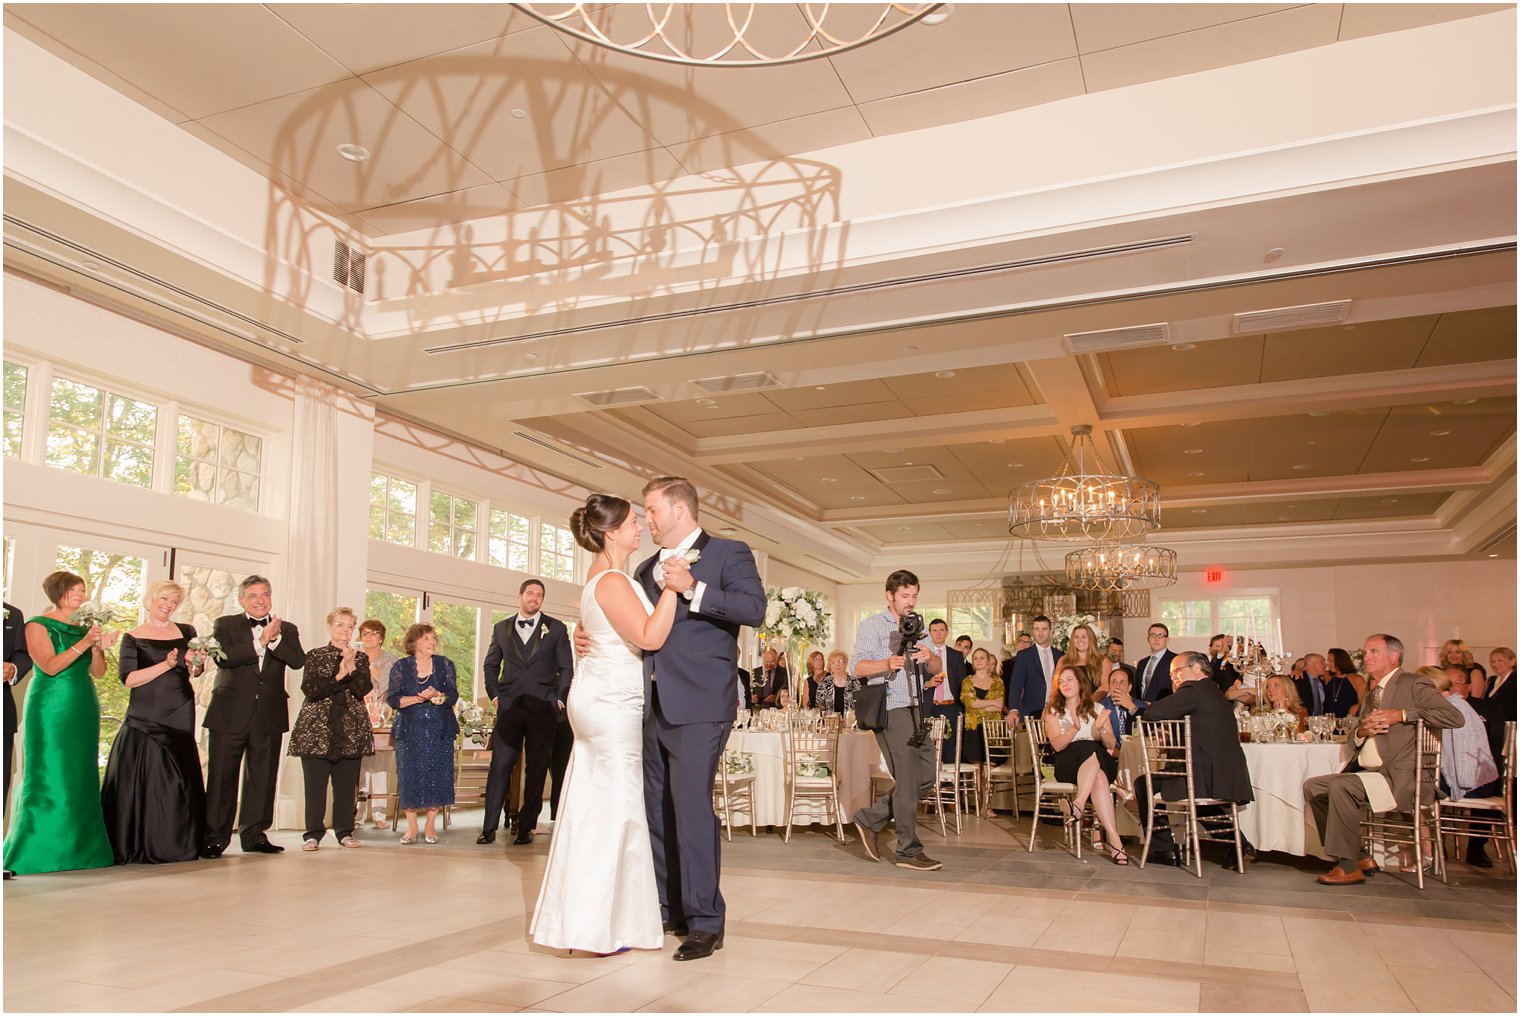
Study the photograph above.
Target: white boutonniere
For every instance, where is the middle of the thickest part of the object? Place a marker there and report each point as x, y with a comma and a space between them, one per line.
691, 556
543, 630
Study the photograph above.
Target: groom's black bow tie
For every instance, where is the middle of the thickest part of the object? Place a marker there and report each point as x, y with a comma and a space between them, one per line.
523, 623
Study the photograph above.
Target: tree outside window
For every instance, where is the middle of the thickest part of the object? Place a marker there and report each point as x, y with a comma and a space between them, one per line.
15, 408
451, 524
97, 433
392, 510
509, 543
556, 553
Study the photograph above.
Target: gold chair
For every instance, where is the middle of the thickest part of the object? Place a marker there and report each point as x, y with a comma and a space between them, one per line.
1415, 828
1001, 760
727, 787
1166, 746
1052, 798
1491, 818
812, 771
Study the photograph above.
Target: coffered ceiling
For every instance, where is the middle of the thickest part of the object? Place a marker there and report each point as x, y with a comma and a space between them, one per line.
859, 346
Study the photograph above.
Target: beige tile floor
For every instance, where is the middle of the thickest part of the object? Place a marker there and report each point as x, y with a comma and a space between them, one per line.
812, 926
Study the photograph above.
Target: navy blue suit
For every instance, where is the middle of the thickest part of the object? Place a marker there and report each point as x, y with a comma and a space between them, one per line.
1026, 691
1158, 683
689, 709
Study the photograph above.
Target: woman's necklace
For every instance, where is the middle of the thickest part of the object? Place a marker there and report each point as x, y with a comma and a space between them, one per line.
161, 624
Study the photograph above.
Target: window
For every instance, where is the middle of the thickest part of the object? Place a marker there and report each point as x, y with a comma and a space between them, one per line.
556, 552
116, 580
15, 407
217, 464
976, 621
97, 433
1256, 612
455, 623
1188, 617
451, 525
392, 510
508, 546
397, 611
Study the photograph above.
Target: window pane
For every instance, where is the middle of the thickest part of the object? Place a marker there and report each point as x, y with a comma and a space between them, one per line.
394, 610
464, 514
240, 451
376, 523
438, 538
239, 490
377, 489
496, 551
402, 529
116, 580
128, 463
499, 523
1186, 617
133, 420
75, 403
1246, 613
438, 508
456, 640
197, 438
403, 496
78, 451
195, 480
15, 387
12, 434
464, 544
975, 621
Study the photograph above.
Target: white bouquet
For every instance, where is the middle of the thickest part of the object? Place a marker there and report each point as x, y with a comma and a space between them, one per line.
1061, 632
209, 646
92, 613
796, 613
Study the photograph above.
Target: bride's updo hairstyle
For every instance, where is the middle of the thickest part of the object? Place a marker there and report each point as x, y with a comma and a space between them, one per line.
601, 514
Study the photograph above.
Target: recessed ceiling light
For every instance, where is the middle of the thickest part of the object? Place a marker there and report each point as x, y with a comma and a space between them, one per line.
522, 114
944, 373
91, 265
910, 349
940, 16
1313, 443
1192, 451
1493, 555
941, 490
1420, 458
1195, 475
1301, 466
1200, 511
706, 402
796, 458
1273, 256
1464, 402
902, 529
829, 479
1440, 433
1183, 347
820, 388
907, 463
1015, 465
1189, 423
353, 152
857, 497
1390, 500
530, 356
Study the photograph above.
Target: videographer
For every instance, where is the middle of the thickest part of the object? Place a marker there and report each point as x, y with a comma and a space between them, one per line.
881, 666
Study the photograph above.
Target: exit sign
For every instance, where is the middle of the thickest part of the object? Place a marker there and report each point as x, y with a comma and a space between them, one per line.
1213, 576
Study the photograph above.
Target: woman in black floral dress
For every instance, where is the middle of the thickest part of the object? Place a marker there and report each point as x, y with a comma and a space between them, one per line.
332, 731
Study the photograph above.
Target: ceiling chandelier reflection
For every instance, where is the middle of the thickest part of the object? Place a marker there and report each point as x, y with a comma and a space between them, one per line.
1117, 567
730, 34
1078, 505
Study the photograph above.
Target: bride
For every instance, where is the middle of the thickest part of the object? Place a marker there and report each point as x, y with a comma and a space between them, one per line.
598, 893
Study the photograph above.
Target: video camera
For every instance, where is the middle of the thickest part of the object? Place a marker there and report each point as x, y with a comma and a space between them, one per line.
910, 632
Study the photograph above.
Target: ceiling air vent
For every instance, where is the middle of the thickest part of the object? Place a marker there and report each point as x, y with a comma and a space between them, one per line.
1493, 541
1286, 319
738, 383
348, 266
619, 396
1114, 339
907, 474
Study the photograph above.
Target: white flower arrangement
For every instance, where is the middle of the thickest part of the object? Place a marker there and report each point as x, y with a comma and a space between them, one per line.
1062, 629
738, 763
209, 646
475, 721
796, 613
92, 613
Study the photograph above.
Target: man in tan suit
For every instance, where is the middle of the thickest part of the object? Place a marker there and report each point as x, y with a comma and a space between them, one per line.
1381, 775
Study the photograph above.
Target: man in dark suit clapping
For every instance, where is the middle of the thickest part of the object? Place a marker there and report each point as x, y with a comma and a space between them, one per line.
17, 665
248, 717
528, 670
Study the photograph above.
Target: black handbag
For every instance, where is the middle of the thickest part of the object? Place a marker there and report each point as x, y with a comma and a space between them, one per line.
871, 706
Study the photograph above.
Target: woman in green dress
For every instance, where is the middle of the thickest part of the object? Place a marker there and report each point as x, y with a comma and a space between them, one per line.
57, 824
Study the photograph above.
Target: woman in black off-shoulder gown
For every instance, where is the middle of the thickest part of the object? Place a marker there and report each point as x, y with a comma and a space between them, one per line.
154, 797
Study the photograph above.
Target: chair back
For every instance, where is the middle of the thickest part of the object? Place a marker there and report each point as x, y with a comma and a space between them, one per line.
999, 741
942, 725
1427, 764
810, 756
1166, 749
1039, 749
1507, 790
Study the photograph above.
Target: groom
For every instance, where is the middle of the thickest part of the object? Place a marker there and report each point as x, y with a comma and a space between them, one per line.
689, 707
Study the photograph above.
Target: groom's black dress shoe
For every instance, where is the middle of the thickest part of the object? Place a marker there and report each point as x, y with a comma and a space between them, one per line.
523, 837
264, 847
674, 928
700, 944
489, 836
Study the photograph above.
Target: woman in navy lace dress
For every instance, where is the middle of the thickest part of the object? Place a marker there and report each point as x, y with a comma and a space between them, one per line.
423, 691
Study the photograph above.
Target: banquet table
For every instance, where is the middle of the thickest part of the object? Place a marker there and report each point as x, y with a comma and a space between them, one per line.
858, 758
1277, 819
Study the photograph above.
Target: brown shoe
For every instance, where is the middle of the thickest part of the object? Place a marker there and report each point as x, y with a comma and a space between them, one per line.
867, 840
1368, 867
920, 862
1335, 876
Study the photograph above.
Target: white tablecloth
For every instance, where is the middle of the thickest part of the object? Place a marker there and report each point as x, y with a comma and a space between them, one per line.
1277, 819
858, 757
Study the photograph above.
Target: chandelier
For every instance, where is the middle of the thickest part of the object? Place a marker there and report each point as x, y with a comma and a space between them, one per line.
1078, 505
1113, 566
730, 34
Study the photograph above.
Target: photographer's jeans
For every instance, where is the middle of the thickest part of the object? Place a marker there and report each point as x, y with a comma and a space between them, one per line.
914, 771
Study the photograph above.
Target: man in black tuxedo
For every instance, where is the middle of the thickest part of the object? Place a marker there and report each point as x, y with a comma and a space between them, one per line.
942, 692
528, 670
1225, 674
766, 680
16, 666
248, 717
1219, 765
1153, 673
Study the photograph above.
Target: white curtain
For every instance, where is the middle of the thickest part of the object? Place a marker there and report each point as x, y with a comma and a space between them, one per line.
310, 585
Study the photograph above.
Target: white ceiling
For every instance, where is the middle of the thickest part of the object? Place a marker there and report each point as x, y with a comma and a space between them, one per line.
941, 349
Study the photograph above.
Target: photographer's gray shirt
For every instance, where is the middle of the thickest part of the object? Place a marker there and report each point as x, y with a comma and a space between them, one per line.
874, 640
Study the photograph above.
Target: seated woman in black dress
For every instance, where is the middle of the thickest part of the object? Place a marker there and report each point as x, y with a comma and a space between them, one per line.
817, 677
154, 798
1083, 740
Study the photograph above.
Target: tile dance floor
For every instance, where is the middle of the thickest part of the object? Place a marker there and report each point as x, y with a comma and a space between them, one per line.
812, 926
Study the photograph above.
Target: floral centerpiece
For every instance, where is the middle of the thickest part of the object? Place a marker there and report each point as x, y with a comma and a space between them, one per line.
1061, 631
738, 763
799, 617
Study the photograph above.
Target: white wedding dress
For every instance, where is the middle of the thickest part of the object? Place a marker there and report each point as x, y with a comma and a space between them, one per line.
598, 892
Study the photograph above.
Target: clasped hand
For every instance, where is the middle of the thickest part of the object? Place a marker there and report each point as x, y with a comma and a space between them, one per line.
1378, 721
271, 630
676, 574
